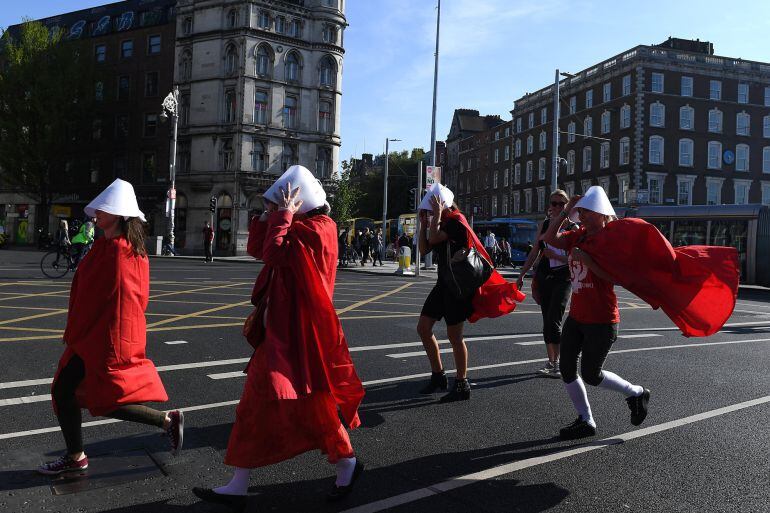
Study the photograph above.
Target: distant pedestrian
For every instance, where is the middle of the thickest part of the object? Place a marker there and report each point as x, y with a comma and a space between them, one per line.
208, 241
377, 247
300, 377
366, 245
342, 248
104, 367
490, 244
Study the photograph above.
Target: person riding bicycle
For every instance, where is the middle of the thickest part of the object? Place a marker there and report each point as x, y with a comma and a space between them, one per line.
63, 235
82, 241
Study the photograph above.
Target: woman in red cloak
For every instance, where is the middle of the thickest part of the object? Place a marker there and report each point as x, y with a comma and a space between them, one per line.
104, 367
301, 372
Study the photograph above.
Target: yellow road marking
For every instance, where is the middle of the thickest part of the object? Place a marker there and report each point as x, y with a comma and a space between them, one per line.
19, 328
197, 290
36, 316
201, 326
196, 314
378, 316
375, 298
13, 307
22, 296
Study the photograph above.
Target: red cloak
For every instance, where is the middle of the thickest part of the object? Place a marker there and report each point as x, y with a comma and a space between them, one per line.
497, 296
107, 329
696, 286
304, 359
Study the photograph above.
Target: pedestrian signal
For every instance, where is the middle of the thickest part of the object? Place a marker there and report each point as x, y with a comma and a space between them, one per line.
213, 204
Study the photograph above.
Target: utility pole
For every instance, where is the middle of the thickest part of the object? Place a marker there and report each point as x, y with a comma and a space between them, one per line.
416, 238
555, 163
435, 90
171, 109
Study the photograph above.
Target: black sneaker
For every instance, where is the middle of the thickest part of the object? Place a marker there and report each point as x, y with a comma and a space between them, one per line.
460, 392
340, 492
638, 407
175, 431
578, 429
209, 495
438, 381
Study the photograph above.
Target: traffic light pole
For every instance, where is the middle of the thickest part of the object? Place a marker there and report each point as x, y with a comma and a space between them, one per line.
212, 209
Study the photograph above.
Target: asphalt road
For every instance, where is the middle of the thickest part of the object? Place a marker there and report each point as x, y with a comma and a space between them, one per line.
703, 446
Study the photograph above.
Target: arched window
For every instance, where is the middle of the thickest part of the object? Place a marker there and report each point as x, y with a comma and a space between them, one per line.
742, 157
231, 59
588, 126
742, 121
571, 132
185, 66
715, 121
541, 169
187, 26
625, 116
518, 147
232, 18
715, 155
542, 141
766, 127
656, 150
327, 72
604, 155
530, 142
605, 122
587, 157
687, 118
685, 152
264, 61
571, 162
292, 67
325, 123
259, 156
657, 114
625, 151
529, 171
323, 162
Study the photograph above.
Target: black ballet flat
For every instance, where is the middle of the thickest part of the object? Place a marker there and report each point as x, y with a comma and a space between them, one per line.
340, 492
209, 495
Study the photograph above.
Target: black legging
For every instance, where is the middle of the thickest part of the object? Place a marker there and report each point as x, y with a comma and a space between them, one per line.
69, 415
594, 341
554, 293
376, 255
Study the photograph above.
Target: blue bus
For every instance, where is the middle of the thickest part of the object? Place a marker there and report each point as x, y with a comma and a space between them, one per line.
521, 233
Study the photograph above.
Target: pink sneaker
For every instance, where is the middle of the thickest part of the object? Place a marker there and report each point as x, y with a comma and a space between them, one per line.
63, 464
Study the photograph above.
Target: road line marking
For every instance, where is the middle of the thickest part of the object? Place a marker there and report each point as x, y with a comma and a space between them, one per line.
195, 314
175, 342
20, 328
371, 299
24, 296
25, 400
441, 341
515, 466
26, 383
202, 289
530, 343
640, 335
354, 317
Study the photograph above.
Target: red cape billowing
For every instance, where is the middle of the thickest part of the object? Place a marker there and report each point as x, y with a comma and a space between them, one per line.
497, 296
696, 286
106, 328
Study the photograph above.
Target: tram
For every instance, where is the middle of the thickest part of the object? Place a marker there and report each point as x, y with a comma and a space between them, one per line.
521, 233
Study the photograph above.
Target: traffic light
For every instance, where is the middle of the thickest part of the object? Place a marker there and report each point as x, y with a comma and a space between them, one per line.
213, 204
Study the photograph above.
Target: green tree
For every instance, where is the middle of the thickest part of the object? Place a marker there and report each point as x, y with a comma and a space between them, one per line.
345, 195
45, 95
402, 180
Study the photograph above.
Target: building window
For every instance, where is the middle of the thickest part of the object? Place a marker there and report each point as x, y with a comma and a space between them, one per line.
572, 104
232, 18
496, 155
543, 115
604, 155
531, 119
127, 49
290, 112
586, 159
605, 122
289, 156
715, 90
226, 150
517, 174
518, 125
742, 157
99, 91
625, 116
713, 192
325, 124
766, 159
625, 151
684, 190
507, 131
505, 177
607, 92
542, 140
529, 171
588, 126
264, 61
231, 60
96, 129
184, 110
766, 193
507, 153
589, 99
292, 67
571, 162
742, 122
626, 85
687, 118
263, 21
280, 24
494, 179
541, 169
528, 200
504, 204
569, 188
741, 191
571, 132
149, 168
685, 152
541, 199
187, 26
530, 144
517, 148
715, 121
153, 45
229, 111
295, 28
326, 72
715, 155
185, 66
585, 184
121, 126
184, 158
686, 86
150, 125
656, 150
657, 114
329, 34
766, 126
260, 107
323, 162
151, 84
654, 189
743, 93
100, 53
657, 83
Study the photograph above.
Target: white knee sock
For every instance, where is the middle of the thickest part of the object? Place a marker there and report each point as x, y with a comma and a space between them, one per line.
345, 468
614, 382
238, 485
577, 392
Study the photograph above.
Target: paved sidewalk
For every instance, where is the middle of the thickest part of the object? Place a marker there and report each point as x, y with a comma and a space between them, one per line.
389, 268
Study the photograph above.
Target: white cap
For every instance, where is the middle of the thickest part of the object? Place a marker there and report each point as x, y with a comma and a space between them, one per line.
117, 199
441, 192
311, 192
596, 200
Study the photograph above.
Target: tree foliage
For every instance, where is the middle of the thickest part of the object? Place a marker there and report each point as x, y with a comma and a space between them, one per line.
344, 195
45, 91
402, 181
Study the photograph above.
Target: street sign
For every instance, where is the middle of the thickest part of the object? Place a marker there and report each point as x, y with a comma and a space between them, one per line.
432, 175
729, 157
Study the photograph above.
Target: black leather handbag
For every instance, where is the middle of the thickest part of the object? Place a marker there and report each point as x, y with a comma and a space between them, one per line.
467, 271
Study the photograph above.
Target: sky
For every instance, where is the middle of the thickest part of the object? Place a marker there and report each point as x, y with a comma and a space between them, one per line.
491, 52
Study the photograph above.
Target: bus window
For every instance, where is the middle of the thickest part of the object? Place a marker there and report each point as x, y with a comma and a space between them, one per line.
689, 232
731, 233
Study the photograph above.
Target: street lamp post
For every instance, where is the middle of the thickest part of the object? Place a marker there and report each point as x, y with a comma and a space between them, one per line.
385, 186
556, 115
171, 109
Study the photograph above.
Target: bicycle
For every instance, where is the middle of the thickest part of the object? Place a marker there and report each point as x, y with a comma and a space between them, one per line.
57, 263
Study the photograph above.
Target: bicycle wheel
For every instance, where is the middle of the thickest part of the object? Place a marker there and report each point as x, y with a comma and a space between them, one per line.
54, 264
